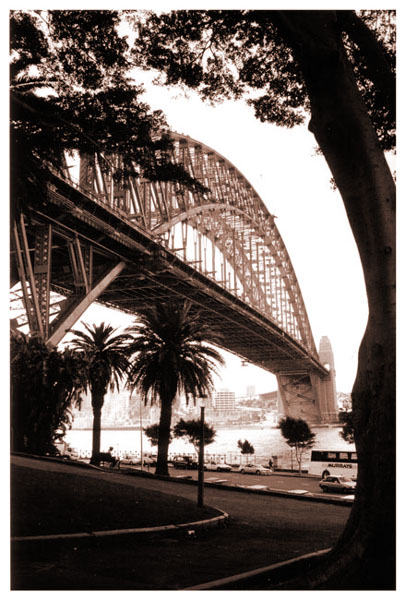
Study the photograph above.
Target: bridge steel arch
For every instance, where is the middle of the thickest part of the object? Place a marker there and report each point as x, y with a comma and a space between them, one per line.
125, 243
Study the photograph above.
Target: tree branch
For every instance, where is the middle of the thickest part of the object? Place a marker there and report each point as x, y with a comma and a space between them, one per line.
378, 69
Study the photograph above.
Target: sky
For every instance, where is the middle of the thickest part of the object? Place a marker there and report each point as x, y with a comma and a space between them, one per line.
294, 183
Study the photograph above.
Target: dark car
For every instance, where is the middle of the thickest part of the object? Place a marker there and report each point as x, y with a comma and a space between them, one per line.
184, 462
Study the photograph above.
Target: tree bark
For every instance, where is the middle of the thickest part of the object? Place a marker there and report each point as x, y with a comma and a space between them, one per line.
364, 557
164, 436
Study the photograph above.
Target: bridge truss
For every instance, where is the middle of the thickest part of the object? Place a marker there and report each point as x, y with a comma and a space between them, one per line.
128, 243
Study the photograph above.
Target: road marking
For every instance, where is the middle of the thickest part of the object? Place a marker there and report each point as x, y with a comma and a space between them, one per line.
257, 487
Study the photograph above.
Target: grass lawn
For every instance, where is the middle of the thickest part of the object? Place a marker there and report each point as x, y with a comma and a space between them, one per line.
45, 502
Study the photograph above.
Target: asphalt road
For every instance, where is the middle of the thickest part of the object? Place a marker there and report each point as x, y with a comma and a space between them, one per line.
263, 530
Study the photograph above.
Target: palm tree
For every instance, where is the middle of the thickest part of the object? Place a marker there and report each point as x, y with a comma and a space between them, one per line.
170, 356
107, 361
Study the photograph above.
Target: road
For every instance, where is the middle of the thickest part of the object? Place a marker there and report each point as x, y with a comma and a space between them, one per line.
262, 530
275, 481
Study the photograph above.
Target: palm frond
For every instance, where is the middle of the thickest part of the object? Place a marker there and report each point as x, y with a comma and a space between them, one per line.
170, 351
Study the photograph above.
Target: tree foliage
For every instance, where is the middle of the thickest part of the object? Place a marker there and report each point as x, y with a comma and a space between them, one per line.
246, 447
152, 433
347, 433
298, 436
296, 432
72, 90
232, 54
106, 355
191, 430
45, 384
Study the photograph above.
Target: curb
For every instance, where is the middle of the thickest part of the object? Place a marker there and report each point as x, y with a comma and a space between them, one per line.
221, 519
271, 569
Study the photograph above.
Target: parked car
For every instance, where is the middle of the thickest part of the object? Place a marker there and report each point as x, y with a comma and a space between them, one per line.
149, 461
184, 462
66, 451
337, 484
254, 468
212, 465
130, 459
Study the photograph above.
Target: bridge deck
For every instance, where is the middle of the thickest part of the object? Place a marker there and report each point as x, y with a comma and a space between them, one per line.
153, 273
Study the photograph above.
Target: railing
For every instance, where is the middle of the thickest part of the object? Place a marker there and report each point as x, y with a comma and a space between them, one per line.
284, 461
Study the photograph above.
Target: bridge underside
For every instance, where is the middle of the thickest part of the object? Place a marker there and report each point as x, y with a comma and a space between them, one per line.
85, 252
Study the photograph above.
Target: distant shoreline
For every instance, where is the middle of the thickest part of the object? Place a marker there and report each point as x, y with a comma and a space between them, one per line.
230, 426
137, 428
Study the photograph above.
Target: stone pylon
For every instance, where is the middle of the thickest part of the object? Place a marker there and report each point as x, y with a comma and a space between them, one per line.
308, 396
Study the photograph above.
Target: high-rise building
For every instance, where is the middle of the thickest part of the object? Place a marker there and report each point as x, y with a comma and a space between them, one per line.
224, 400
251, 391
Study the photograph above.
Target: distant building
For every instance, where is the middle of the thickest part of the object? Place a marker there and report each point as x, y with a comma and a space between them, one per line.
251, 391
269, 400
224, 400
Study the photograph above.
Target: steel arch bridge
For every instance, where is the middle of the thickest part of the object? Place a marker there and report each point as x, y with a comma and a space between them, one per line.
130, 243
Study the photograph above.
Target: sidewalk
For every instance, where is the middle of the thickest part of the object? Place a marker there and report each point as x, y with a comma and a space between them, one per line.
262, 530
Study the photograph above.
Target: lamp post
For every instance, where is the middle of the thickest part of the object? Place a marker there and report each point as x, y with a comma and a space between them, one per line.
140, 424
200, 500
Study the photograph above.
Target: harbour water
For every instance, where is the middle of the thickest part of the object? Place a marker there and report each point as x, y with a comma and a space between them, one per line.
266, 440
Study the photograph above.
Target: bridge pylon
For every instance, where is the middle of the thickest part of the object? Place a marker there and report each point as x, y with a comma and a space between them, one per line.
309, 396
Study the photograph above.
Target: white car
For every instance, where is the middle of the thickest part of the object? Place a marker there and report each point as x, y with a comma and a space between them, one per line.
253, 468
71, 453
342, 485
129, 459
212, 465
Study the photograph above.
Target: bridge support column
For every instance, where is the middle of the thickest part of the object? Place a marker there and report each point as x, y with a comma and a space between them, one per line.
326, 392
74, 309
34, 273
306, 396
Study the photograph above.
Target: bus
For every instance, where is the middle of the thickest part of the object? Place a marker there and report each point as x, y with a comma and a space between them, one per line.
333, 462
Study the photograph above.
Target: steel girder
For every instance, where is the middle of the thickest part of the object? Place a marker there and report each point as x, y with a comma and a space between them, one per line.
74, 277
151, 273
227, 233
136, 242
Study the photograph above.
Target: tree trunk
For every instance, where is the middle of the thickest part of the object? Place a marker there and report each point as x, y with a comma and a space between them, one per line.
97, 401
18, 417
298, 455
364, 557
164, 436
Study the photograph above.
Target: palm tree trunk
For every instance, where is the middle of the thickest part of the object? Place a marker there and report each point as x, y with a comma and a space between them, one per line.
164, 436
97, 404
